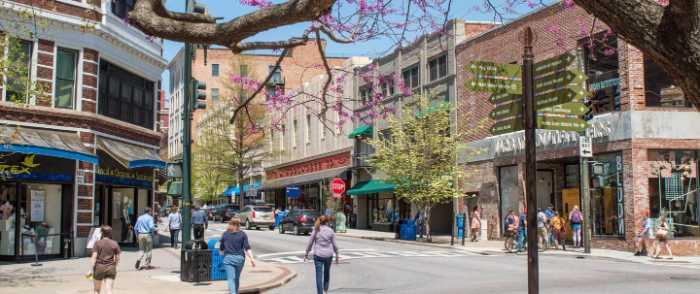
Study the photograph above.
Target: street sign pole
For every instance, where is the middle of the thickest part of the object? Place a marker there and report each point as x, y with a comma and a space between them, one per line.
586, 205
530, 163
187, 141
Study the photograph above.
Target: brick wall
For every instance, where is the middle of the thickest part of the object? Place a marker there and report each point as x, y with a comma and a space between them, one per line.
85, 189
44, 71
65, 8
90, 77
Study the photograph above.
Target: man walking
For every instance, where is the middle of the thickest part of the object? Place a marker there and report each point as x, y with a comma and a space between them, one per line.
199, 223
144, 229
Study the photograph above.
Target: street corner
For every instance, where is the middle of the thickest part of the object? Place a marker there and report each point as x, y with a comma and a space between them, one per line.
265, 276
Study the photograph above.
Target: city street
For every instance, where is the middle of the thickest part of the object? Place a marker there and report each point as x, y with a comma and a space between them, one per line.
385, 267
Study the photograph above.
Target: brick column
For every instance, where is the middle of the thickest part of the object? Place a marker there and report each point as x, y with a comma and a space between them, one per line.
89, 78
631, 64
85, 190
44, 72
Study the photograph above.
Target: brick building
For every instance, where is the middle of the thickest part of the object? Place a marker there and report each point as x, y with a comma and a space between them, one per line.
301, 64
83, 151
644, 140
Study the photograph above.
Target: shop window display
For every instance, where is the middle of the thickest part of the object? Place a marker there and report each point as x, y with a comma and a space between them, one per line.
41, 225
673, 190
383, 209
602, 68
607, 201
8, 196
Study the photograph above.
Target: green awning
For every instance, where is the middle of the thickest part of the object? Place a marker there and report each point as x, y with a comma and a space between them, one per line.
372, 186
175, 188
362, 130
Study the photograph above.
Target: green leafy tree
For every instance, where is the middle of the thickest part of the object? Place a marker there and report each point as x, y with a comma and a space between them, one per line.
419, 156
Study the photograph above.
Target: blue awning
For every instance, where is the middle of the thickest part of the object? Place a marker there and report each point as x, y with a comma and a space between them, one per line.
131, 156
232, 191
44, 142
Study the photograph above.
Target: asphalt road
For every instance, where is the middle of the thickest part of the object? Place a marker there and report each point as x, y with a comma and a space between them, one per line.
384, 267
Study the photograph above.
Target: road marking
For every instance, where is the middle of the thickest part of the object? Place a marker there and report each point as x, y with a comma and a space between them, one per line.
297, 256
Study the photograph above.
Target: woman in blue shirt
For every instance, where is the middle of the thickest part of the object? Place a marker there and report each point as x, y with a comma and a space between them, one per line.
234, 247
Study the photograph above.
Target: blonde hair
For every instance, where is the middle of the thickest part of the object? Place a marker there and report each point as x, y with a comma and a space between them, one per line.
322, 220
234, 225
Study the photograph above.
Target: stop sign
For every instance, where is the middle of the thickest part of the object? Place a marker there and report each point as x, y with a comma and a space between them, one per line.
338, 186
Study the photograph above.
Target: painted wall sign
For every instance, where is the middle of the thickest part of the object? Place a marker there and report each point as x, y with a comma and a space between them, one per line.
317, 165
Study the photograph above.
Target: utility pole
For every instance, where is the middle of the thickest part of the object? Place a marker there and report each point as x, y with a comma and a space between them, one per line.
586, 205
187, 140
533, 279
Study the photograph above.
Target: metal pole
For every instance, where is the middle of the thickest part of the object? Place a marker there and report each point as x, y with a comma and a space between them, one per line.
187, 140
464, 227
533, 281
586, 205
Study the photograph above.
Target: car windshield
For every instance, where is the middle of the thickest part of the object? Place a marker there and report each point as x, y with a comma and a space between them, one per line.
263, 208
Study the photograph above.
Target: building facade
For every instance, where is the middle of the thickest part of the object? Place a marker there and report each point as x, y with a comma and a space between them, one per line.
217, 68
644, 143
427, 67
82, 149
311, 148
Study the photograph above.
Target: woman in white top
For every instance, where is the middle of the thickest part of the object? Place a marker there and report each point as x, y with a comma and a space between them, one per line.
175, 224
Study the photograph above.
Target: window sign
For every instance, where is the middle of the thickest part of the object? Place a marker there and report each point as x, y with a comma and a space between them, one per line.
38, 205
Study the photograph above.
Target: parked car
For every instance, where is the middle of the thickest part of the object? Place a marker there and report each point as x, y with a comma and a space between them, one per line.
216, 211
227, 212
299, 221
257, 216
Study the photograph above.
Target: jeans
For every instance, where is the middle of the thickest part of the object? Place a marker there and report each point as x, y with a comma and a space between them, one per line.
145, 248
323, 266
173, 237
522, 235
234, 266
198, 231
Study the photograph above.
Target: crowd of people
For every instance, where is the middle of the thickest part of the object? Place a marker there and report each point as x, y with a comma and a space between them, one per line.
552, 229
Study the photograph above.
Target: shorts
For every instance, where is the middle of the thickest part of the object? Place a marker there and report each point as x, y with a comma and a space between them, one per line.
575, 227
102, 272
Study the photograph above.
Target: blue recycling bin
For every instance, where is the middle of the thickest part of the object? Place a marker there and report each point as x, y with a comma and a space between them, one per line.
460, 226
279, 216
218, 272
407, 230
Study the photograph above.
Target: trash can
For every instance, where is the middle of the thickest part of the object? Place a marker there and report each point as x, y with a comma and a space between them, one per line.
460, 226
218, 272
195, 266
408, 230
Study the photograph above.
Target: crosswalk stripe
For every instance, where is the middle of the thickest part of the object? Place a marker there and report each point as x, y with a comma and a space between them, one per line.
296, 257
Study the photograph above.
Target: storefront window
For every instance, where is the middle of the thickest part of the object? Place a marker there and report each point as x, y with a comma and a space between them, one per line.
673, 190
8, 200
607, 201
383, 209
602, 65
41, 222
659, 89
511, 194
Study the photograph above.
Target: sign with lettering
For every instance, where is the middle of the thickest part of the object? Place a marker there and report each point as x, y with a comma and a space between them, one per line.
554, 64
585, 147
36, 168
312, 166
109, 171
495, 77
337, 187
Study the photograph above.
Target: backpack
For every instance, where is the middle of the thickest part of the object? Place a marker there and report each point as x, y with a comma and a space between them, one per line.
576, 217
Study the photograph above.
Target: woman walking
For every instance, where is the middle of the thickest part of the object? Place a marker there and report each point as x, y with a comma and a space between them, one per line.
476, 224
105, 257
175, 225
662, 238
323, 242
234, 247
576, 218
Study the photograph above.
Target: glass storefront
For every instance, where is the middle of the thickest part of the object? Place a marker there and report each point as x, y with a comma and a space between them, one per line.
607, 201
673, 189
383, 209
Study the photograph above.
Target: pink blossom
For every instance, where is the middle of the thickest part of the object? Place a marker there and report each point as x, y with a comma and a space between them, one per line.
256, 3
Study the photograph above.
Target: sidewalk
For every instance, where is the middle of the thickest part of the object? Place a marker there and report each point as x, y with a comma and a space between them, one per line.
67, 276
496, 247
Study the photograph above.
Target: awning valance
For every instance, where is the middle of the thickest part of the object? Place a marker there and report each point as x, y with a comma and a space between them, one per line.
362, 130
303, 179
130, 156
371, 186
232, 190
44, 142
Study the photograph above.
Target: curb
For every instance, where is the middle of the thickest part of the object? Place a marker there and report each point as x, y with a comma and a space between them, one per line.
287, 276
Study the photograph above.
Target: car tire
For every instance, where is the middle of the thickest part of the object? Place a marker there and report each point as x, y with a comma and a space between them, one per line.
281, 229
295, 230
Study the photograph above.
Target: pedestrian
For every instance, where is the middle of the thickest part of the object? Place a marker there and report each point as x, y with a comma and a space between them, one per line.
234, 246
103, 264
542, 234
576, 219
522, 231
144, 229
323, 242
662, 238
511, 226
199, 222
175, 225
420, 224
476, 224
549, 212
557, 223
646, 234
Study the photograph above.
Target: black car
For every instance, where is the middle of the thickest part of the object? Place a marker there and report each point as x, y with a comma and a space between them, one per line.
227, 212
299, 221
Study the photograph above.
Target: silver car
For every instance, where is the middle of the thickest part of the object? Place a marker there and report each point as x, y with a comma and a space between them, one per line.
258, 216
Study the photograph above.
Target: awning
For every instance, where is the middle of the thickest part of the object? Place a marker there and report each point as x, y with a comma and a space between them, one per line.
130, 156
232, 190
369, 187
44, 142
303, 179
362, 130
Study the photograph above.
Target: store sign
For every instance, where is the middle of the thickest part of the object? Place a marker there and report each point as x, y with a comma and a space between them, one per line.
550, 139
312, 166
24, 167
36, 168
112, 172
293, 192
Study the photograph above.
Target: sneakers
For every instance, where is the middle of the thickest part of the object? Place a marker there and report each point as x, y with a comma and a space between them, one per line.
138, 265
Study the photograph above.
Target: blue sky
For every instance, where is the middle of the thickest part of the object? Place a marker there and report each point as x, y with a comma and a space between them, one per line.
228, 9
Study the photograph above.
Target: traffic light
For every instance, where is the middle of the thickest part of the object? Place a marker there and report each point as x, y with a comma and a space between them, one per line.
589, 113
199, 100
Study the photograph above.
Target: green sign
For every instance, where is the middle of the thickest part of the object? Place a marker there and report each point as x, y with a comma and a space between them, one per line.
495, 77
570, 108
511, 108
575, 79
555, 122
556, 97
554, 64
507, 126
503, 97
